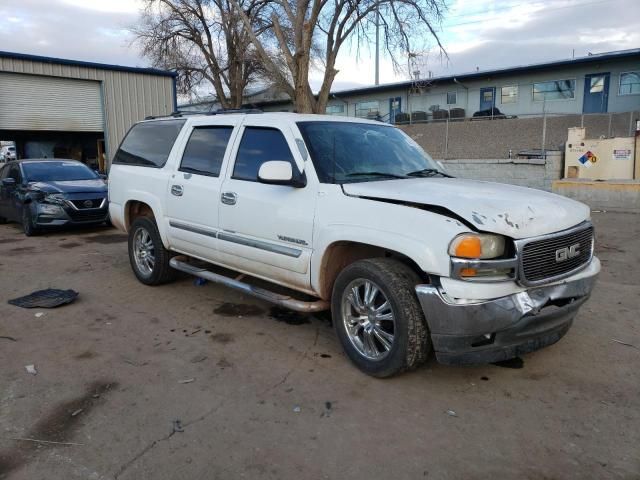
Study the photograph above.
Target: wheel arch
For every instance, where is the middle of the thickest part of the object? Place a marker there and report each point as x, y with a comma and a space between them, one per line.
341, 253
143, 207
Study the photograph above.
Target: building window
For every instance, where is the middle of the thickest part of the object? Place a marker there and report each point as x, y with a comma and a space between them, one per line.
596, 84
509, 94
452, 98
367, 109
629, 83
337, 109
554, 90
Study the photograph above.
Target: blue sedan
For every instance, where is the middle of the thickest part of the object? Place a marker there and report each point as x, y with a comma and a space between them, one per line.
47, 193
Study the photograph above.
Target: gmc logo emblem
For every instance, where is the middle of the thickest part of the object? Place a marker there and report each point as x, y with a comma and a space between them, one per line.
566, 253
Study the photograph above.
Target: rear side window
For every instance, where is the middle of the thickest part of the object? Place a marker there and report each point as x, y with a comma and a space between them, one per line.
260, 145
205, 149
149, 143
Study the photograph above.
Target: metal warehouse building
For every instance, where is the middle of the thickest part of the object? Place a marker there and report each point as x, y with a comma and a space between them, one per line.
54, 107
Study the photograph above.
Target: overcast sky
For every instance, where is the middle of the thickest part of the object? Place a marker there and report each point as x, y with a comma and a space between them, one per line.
476, 34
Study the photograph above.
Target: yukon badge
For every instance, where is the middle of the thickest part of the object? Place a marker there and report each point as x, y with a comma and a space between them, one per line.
566, 253
298, 241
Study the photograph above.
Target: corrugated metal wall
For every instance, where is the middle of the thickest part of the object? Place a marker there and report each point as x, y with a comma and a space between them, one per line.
127, 97
35, 102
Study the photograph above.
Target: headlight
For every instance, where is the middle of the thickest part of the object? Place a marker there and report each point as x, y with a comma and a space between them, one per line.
480, 256
477, 245
49, 209
56, 198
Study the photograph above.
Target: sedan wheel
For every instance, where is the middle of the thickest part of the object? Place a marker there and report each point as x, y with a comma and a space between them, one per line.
27, 222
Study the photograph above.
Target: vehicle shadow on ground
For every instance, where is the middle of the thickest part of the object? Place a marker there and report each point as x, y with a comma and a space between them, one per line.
53, 232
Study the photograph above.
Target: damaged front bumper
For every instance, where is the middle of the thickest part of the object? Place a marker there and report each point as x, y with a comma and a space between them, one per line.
472, 332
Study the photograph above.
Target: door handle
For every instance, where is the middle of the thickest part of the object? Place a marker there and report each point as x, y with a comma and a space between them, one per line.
177, 190
229, 198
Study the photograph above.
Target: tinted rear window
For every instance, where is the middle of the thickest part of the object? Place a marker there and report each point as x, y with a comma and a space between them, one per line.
149, 144
205, 150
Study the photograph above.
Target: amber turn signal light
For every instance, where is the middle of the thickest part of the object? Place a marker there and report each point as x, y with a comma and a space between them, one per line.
469, 247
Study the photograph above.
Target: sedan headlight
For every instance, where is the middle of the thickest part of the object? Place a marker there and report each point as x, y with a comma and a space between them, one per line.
55, 198
49, 209
477, 245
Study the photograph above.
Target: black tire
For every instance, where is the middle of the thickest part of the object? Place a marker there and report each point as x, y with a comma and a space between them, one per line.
161, 272
411, 341
3, 220
27, 222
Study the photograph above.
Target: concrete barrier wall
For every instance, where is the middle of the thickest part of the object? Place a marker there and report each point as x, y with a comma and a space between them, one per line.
534, 173
621, 195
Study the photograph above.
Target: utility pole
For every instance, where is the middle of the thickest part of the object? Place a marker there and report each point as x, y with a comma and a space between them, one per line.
377, 81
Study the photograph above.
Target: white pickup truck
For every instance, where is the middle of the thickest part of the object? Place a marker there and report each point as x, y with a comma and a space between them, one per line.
352, 215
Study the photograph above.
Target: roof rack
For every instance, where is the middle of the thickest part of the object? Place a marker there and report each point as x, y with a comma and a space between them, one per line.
215, 112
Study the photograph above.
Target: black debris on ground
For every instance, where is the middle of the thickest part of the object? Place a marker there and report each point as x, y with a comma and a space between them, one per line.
49, 298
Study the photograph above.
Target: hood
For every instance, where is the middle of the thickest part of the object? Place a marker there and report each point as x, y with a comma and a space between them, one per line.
71, 186
516, 212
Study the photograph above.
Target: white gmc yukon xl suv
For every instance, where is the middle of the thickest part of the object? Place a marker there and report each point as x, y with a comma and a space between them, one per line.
353, 216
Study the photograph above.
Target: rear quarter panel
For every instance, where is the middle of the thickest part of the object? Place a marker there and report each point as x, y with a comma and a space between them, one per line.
144, 184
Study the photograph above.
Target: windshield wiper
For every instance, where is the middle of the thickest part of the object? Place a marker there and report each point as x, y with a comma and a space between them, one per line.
374, 174
428, 172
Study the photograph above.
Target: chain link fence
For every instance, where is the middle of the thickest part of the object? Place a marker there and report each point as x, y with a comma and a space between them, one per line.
503, 137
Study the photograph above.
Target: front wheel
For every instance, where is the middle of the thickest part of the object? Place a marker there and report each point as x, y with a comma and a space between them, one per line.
28, 226
147, 255
378, 318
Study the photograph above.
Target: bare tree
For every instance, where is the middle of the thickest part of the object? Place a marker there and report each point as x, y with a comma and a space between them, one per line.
204, 41
301, 27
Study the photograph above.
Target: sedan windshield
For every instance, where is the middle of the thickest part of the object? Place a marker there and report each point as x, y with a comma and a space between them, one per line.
57, 171
344, 152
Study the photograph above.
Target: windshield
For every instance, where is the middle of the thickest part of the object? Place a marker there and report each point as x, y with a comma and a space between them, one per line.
345, 152
57, 171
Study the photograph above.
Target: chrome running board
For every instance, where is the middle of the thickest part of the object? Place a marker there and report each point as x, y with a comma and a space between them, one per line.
285, 301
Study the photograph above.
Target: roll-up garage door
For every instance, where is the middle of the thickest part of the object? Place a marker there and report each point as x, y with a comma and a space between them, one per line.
37, 102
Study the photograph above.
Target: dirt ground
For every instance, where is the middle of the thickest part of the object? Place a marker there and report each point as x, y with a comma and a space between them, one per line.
200, 382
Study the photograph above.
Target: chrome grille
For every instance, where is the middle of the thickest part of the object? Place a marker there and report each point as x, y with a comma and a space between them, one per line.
539, 257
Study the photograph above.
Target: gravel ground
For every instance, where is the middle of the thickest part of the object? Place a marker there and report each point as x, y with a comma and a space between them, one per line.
200, 382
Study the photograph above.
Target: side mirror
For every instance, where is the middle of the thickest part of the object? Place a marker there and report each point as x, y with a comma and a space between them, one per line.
278, 172
9, 182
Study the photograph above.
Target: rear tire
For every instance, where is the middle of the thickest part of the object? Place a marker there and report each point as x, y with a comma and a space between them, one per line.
378, 318
147, 255
27, 222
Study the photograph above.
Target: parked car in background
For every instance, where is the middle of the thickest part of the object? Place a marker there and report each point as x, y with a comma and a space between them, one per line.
9, 153
50, 193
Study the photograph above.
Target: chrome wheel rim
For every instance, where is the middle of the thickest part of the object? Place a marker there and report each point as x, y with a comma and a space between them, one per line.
144, 252
368, 319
